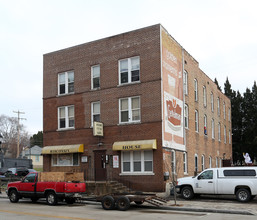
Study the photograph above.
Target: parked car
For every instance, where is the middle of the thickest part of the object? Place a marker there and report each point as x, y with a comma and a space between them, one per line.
17, 172
3, 171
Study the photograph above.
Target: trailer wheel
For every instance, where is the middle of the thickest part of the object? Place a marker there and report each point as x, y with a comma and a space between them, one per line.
108, 203
123, 203
243, 195
51, 198
13, 196
187, 192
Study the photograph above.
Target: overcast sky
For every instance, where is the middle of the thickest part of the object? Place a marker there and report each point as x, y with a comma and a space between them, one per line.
220, 34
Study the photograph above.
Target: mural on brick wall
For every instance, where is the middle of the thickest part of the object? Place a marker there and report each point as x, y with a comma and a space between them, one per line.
173, 134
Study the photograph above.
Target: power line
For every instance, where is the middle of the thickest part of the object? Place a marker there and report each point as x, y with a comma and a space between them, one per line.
18, 128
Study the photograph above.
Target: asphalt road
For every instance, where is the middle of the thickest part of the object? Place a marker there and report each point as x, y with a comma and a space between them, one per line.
25, 209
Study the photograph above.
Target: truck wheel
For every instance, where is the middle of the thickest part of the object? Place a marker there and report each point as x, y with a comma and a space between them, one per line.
187, 192
123, 203
13, 196
243, 195
69, 200
51, 198
108, 203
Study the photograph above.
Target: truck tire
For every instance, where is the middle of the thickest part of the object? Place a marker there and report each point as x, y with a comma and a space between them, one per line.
108, 203
243, 195
187, 192
51, 198
13, 196
123, 203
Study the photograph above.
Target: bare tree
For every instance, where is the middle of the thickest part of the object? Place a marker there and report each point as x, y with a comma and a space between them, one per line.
8, 129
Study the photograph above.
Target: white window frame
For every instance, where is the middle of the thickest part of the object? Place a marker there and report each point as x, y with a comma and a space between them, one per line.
204, 96
224, 110
203, 162
220, 162
185, 162
131, 172
196, 89
64, 165
129, 70
66, 109
205, 125
93, 76
196, 121
185, 82
212, 102
66, 83
210, 162
95, 113
213, 129
219, 134
225, 134
186, 116
229, 114
218, 106
130, 110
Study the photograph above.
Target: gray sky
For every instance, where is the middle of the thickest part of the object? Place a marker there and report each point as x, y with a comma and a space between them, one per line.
220, 34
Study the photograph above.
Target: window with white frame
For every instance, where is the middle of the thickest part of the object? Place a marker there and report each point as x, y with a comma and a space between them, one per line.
224, 110
95, 112
229, 114
203, 162
137, 161
185, 76
217, 162
210, 162
196, 89
212, 129
66, 117
129, 70
205, 124
65, 83
225, 134
173, 161
219, 138
218, 106
129, 110
95, 77
229, 136
196, 163
65, 159
196, 121
185, 162
204, 97
186, 116
220, 163
212, 102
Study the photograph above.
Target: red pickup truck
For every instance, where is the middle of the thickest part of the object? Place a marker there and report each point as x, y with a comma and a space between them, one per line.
30, 187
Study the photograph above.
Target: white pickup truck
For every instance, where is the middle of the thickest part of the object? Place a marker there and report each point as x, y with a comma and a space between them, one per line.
239, 181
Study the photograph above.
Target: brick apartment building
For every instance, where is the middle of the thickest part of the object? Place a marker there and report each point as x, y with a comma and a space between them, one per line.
158, 112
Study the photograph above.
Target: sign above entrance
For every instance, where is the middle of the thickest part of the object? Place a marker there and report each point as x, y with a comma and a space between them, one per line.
63, 149
98, 129
135, 145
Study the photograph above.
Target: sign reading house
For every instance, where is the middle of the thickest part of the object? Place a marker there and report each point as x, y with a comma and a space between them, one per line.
98, 129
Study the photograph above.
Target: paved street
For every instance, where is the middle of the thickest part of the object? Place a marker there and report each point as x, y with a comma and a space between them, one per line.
196, 209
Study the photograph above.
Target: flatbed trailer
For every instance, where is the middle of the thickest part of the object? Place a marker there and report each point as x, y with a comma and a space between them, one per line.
122, 201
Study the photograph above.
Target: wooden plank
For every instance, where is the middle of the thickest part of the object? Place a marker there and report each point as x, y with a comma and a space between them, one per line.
60, 177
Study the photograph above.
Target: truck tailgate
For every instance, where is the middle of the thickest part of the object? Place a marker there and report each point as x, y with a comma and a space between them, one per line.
75, 187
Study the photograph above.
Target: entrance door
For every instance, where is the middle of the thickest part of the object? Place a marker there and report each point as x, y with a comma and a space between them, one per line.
100, 165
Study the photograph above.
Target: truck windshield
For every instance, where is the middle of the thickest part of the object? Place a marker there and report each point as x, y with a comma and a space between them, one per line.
30, 178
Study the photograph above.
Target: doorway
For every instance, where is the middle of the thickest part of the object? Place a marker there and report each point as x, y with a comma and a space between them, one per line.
100, 165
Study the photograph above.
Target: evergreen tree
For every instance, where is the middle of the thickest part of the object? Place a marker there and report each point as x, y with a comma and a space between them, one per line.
37, 139
216, 82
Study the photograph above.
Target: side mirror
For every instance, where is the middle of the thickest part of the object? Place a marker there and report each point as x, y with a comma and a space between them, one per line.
199, 177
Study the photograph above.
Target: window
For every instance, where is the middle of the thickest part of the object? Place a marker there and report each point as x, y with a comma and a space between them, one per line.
65, 83
203, 162
186, 116
130, 110
210, 162
212, 129
185, 82
224, 110
207, 175
95, 77
66, 117
173, 161
218, 106
196, 121
36, 158
129, 70
95, 110
205, 124
212, 103
65, 159
196, 163
217, 162
225, 134
185, 162
219, 131
196, 89
137, 161
239, 173
229, 137
204, 97
229, 114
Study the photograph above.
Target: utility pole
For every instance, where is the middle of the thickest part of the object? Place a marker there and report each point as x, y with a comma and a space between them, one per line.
18, 128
